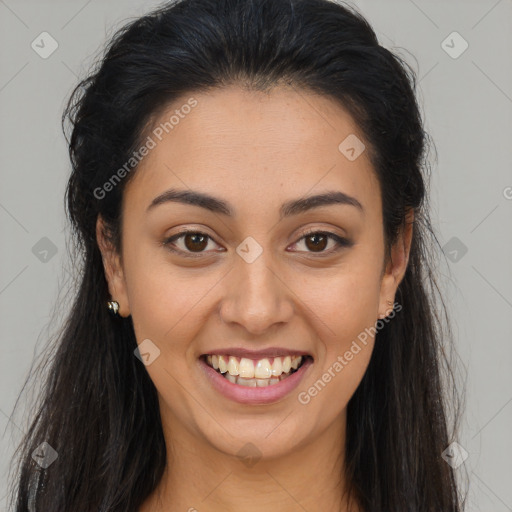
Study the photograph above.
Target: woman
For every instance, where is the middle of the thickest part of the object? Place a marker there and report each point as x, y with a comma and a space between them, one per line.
292, 359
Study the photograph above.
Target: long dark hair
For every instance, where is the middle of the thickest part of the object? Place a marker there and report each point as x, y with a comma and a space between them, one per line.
97, 401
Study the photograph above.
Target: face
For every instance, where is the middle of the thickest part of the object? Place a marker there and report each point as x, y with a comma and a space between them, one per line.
262, 269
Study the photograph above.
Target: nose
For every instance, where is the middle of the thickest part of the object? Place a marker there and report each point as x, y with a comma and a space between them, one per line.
257, 297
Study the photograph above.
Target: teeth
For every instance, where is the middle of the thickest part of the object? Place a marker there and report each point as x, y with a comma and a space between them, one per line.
246, 382
277, 367
246, 368
263, 369
233, 365
223, 365
230, 377
261, 383
254, 373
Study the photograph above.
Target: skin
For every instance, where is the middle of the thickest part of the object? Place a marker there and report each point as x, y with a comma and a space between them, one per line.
255, 151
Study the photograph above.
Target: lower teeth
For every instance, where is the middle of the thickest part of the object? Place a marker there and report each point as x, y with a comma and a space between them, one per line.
236, 379
254, 382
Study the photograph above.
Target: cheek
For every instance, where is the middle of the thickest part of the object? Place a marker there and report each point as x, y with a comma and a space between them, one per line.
345, 299
349, 311
346, 339
160, 298
343, 310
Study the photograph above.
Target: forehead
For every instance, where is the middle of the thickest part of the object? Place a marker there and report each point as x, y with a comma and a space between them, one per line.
250, 146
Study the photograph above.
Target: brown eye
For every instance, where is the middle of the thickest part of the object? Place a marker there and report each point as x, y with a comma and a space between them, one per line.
195, 241
316, 241
191, 243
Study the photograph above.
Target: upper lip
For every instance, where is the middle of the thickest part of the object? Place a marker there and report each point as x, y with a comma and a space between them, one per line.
257, 354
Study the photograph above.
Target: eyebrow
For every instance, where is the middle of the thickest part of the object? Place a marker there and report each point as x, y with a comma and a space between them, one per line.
288, 209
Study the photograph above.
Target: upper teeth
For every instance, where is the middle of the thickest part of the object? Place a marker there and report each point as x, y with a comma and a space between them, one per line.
249, 369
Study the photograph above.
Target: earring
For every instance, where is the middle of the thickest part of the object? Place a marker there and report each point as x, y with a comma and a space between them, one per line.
113, 307
384, 315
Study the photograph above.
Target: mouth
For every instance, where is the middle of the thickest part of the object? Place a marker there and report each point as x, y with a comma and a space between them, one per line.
250, 372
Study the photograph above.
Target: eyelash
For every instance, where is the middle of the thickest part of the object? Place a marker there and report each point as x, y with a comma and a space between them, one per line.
342, 242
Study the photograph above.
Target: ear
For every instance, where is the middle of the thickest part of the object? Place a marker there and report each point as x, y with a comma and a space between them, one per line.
113, 268
396, 265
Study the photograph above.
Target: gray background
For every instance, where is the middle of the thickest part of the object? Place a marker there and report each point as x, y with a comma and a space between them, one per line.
467, 103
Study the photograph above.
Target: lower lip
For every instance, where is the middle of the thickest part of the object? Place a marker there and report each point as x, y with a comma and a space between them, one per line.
255, 395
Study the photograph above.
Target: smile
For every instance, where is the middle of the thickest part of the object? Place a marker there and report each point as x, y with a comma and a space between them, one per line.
254, 381
254, 373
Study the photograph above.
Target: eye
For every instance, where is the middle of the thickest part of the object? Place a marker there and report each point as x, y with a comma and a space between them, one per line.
319, 240
194, 242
